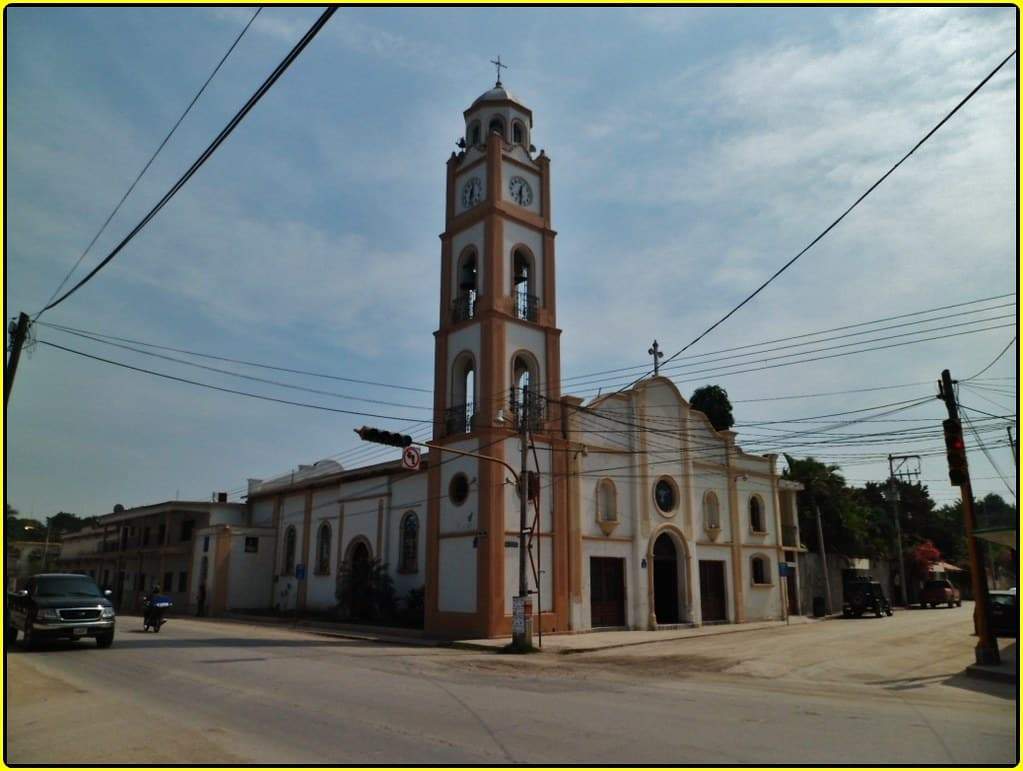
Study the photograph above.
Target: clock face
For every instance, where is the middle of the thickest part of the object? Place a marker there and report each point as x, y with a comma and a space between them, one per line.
472, 192
520, 191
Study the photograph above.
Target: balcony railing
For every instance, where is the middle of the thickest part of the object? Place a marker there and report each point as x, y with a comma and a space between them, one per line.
459, 419
525, 306
463, 307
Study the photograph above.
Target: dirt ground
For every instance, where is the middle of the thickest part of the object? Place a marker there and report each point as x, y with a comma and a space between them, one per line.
88, 730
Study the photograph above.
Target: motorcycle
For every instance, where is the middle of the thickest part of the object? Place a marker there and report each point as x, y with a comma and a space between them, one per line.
153, 610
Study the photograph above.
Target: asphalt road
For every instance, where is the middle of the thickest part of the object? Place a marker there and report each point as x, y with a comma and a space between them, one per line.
218, 692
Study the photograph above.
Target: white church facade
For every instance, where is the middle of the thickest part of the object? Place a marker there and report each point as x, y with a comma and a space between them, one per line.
645, 516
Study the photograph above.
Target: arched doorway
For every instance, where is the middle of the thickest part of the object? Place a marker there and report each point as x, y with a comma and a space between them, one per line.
666, 594
358, 584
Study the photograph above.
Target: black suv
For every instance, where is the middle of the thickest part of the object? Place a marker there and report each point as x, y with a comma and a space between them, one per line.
60, 606
862, 596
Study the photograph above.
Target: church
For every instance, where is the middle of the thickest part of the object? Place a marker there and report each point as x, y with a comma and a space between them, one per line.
640, 514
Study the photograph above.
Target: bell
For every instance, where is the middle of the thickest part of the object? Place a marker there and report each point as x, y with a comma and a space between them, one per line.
520, 275
468, 282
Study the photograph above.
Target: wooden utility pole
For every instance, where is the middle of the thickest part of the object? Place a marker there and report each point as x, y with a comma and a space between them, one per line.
522, 620
17, 341
986, 651
824, 557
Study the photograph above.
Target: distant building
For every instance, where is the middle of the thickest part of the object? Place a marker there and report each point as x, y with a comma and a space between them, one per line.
180, 546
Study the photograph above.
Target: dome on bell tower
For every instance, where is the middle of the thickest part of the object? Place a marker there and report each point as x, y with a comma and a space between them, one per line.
498, 111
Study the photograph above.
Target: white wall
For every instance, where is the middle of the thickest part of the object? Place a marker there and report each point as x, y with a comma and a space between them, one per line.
408, 494
457, 575
250, 574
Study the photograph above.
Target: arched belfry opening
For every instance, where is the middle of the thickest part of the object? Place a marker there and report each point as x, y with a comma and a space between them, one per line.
462, 407
524, 285
526, 388
464, 304
496, 126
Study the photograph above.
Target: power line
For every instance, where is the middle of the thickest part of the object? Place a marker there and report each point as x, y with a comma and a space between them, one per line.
679, 368
153, 156
841, 217
987, 454
278, 383
721, 372
217, 141
213, 357
994, 360
321, 407
840, 328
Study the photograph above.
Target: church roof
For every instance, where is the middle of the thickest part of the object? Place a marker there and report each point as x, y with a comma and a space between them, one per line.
497, 94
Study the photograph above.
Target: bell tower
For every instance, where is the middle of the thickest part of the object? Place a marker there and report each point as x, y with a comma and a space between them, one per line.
497, 357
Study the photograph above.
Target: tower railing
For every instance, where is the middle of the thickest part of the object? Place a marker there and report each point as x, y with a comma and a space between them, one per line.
459, 419
529, 405
525, 305
463, 307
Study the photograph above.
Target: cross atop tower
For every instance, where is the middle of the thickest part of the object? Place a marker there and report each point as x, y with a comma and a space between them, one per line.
497, 63
655, 351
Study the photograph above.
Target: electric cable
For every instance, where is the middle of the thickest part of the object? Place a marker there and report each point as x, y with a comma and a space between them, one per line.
197, 164
152, 158
835, 223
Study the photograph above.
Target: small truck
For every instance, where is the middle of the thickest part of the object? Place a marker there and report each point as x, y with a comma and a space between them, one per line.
939, 591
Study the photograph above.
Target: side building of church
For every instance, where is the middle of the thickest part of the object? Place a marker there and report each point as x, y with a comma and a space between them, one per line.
643, 516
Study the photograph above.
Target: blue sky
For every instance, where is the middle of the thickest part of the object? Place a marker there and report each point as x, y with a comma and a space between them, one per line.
694, 150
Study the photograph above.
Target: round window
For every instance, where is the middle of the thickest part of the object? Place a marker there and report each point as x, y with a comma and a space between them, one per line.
458, 490
665, 496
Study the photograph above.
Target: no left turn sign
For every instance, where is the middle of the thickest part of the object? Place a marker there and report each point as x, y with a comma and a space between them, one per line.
410, 457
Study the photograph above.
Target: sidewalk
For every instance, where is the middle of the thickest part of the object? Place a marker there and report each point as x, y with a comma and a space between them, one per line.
1006, 672
562, 643
584, 642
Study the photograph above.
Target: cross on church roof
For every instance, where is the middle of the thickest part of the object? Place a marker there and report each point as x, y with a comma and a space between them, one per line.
655, 351
497, 63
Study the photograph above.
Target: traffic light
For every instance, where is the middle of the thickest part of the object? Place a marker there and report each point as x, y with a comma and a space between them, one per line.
368, 434
955, 450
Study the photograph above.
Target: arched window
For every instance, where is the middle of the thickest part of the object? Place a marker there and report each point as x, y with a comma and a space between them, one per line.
524, 285
760, 572
756, 515
289, 550
711, 513
607, 501
409, 557
518, 133
464, 304
323, 550
496, 125
473, 134
463, 391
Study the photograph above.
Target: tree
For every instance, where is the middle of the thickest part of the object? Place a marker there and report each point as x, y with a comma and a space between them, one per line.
852, 527
713, 402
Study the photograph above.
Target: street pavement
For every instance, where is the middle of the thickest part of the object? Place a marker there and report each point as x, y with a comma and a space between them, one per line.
865, 691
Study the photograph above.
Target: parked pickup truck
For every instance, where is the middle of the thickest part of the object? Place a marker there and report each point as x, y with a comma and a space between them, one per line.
939, 591
60, 606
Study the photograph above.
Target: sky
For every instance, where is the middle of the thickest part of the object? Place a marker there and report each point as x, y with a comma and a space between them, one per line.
693, 152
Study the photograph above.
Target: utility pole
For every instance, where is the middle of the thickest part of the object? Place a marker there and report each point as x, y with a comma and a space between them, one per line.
17, 341
522, 621
986, 651
893, 497
824, 556
1012, 446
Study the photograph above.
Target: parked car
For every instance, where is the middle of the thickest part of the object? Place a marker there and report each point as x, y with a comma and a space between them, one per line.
862, 596
1004, 613
939, 591
60, 606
